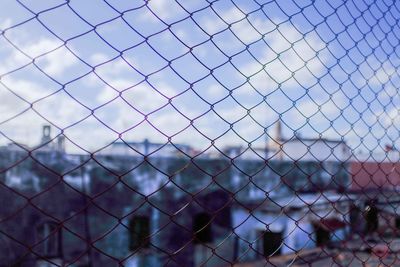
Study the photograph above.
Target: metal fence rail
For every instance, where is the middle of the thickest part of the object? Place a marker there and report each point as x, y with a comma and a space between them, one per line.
199, 133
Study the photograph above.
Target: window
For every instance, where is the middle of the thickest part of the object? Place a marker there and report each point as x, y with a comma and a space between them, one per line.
139, 228
271, 243
322, 235
49, 239
371, 216
202, 228
397, 222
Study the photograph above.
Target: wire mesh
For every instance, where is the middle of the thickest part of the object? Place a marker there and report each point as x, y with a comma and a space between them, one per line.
199, 133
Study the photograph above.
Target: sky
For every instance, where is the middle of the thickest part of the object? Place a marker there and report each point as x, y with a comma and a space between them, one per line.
199, 72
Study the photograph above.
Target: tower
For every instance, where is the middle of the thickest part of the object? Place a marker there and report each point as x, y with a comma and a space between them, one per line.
61, 143
276, 141
278, 131
46, 134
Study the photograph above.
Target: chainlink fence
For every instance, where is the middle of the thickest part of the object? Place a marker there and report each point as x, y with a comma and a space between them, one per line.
199, 133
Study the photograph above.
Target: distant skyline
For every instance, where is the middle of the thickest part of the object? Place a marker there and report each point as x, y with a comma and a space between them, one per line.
199, 72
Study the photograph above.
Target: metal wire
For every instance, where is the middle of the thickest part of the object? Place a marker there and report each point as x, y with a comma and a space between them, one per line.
199, 133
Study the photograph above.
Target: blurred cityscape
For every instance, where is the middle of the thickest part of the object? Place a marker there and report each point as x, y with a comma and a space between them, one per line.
150, 204
199, 133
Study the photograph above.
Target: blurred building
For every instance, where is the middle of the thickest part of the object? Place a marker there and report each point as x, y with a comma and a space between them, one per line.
375, 175
146, 148
295, 148
285, 225
49, 143
313, 149
298, 148
277, 207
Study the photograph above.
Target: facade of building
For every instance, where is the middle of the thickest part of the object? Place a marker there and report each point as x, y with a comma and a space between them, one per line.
146, 148
320, 149
199, 193
290, 224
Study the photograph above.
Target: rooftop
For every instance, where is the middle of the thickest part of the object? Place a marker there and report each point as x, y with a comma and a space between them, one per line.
357, 252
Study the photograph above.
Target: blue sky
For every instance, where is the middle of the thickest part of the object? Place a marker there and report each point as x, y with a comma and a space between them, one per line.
199, 70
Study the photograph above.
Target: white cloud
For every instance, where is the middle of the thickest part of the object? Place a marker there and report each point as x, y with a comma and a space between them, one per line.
232, 15
169, 121
376, 73
59, 61
235, 19
142, 96
10, 104
391, 118
329, 109
288, 56
55, 63
216, 91
61, 110
164, 9
118, 74
26, 89
383, 74
6, 23
39, 48
232, 114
